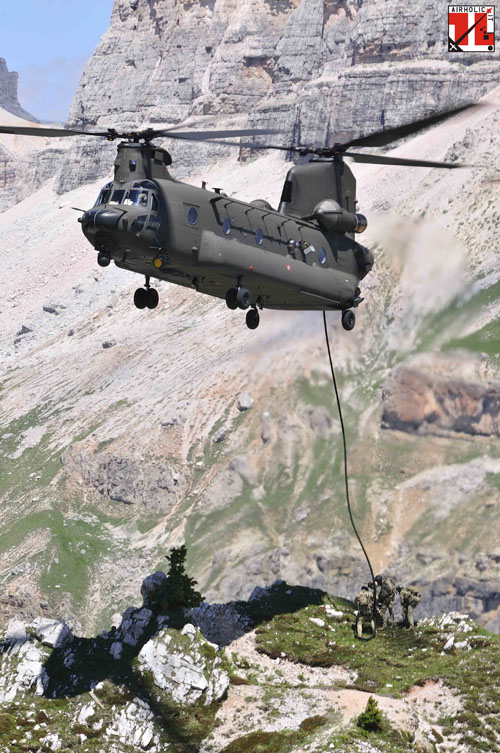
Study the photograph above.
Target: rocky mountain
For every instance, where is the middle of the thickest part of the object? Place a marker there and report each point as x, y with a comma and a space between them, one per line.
126, 432
279, 673
314, 70
8, 93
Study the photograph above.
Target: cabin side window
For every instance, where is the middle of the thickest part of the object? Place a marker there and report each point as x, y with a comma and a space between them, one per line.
192, 215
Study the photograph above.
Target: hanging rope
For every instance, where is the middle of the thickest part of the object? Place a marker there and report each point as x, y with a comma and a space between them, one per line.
374, 631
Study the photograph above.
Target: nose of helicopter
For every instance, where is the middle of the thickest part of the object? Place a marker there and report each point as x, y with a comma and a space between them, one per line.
103, 219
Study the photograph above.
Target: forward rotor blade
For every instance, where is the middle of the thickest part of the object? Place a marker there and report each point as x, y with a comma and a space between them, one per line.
48, 132
209, 135
386, 136
380, 159
251, 145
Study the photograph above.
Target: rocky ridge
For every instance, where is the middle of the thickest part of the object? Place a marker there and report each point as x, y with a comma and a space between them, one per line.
287, 676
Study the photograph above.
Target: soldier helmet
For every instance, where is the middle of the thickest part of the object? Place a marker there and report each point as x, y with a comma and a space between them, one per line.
364, 588
378, 579
398, 588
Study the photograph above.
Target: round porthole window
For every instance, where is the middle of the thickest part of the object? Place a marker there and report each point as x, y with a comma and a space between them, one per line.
322, 255
226, 225
192, 216
259, 236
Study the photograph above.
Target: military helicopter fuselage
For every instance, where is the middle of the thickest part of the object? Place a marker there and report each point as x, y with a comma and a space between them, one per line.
301, 256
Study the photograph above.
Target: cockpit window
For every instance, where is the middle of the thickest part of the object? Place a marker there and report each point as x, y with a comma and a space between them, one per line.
104, 194
135, 196
117, 197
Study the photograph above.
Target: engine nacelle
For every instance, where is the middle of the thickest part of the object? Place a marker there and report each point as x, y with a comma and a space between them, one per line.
331, 216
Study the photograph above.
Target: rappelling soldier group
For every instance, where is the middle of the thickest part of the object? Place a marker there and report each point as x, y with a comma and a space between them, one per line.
385, 591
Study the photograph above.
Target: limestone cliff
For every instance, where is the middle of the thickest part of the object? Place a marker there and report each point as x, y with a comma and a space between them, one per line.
8, 93
311, 69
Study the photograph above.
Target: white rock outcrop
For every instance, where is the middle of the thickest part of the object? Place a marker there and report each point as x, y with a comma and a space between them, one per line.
186, 666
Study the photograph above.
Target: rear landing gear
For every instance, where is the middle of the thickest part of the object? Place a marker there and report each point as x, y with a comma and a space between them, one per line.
146, 296
231, 302
240, 298
348, 319
243, 298
252, 319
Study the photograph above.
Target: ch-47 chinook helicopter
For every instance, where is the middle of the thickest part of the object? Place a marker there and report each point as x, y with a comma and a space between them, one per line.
301, 256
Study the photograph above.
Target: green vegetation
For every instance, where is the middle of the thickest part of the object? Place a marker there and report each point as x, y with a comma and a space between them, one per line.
371, 719
396, 660
263, 742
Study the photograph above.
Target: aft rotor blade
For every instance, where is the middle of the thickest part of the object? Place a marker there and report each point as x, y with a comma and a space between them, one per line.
48, 132
386, 136
381, 159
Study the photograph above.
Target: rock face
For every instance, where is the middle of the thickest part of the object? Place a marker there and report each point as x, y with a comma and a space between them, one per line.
152, 484
312, 69
8, 93
439, 394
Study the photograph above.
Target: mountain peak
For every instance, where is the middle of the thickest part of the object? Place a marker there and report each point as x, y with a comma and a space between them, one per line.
8, 93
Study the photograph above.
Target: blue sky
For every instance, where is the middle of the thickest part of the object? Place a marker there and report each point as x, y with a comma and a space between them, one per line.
48, 43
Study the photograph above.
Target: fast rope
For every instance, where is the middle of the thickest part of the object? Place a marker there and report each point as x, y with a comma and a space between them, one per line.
374, 613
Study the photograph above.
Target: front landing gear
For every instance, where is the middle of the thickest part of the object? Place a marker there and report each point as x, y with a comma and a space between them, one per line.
146, 296
103, 259
348, 319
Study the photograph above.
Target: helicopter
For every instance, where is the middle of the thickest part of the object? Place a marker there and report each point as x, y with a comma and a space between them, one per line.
302, 255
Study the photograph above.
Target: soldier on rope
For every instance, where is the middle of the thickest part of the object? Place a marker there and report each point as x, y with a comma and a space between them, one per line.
364, 606
386, 593
409, 597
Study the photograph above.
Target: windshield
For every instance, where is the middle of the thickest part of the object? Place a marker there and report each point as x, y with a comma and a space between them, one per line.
104, 195
136, 196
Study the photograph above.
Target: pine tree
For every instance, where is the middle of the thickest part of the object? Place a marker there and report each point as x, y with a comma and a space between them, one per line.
371, 719
179, 587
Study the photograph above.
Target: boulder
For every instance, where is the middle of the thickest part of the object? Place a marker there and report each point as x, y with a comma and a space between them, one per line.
245, 401
52, 632
153, 589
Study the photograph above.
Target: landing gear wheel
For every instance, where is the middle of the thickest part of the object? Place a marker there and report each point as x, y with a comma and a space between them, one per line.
140, 298
243, 298
348, 319
103, 259
252, 319
152, 298
231, 302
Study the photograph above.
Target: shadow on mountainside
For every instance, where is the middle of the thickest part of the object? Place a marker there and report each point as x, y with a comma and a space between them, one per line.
224, 623
78, 666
